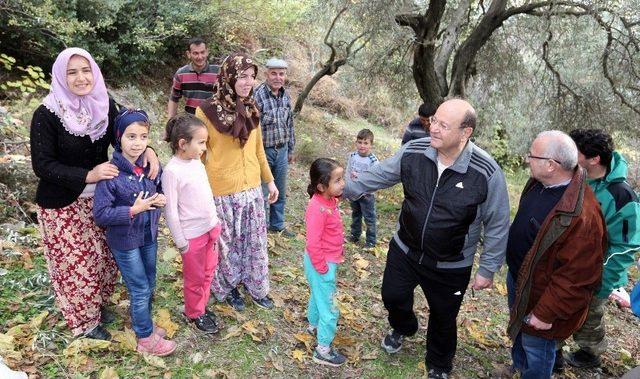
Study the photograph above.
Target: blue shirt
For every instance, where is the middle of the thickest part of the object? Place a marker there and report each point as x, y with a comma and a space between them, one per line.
276, 117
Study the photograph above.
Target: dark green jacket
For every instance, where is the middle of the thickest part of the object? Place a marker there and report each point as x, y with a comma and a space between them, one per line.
621, 212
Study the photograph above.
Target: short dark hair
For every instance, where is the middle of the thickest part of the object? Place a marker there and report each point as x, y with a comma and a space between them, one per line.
594, 143
469, 120
194, 41
365, 134
427, 110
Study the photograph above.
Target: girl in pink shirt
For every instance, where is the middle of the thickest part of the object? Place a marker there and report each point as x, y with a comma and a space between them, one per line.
191, 216
325, 238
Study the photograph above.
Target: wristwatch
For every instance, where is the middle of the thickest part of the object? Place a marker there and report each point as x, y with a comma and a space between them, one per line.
527, 319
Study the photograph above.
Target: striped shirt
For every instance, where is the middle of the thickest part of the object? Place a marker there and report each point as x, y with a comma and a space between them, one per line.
194, 86
276, 117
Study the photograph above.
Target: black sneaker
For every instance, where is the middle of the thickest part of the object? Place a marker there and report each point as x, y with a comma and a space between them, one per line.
583, 359
437, 373
98, 333
332, 358
558, 365
265, 302
235, 300
369, 245
106, 316
392, 342
205, 323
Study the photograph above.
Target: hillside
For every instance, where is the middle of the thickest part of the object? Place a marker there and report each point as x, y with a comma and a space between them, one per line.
257, 342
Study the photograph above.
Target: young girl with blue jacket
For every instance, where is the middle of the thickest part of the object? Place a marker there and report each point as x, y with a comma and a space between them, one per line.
127, 206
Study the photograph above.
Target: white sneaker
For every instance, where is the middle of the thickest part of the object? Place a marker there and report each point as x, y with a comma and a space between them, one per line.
620, 297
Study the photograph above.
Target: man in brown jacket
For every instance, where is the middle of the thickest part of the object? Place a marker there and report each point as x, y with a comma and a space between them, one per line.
554, 253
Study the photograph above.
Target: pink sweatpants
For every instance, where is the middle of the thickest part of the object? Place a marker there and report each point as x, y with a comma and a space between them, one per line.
198, 266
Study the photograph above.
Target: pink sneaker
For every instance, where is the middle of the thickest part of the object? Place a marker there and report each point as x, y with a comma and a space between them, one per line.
620, 297
155, 345
159, 331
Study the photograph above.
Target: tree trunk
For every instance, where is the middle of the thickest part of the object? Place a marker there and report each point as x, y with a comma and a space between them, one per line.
328, 69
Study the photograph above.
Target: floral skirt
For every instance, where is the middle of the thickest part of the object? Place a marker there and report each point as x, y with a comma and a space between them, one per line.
81, 267
243, 245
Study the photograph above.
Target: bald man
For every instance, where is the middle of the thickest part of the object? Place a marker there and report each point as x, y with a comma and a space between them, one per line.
554, 253
453, 192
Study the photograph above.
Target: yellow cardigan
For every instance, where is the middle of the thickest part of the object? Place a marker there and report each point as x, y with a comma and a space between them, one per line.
231, 168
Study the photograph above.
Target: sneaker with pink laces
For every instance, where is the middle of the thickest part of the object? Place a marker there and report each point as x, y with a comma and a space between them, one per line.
155, 345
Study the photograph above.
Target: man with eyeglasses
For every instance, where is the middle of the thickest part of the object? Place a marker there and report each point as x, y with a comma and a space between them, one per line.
554, 254
607, 177
453, 192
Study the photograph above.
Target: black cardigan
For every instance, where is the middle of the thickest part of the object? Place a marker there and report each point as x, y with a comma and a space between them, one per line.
62, 160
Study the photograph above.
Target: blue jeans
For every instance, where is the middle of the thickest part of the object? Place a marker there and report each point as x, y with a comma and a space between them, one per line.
278, 159
138, 269
533, 356
364, 207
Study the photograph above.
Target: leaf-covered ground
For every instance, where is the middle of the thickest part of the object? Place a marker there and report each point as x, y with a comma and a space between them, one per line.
33, 337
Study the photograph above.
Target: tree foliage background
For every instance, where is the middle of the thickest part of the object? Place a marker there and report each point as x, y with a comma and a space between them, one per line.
541, 64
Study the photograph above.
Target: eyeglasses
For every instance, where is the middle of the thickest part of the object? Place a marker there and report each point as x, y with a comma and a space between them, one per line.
433, 121
529, 156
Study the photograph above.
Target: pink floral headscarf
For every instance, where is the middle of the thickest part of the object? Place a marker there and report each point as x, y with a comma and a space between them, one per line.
80, 115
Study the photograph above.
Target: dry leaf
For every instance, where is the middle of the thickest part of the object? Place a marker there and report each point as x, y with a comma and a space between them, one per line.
288, 315
306, 339
233, 331
196, 358
37, 321
163, 320
298, 354
501, 288
154, 361
169, 254
361, 264
127, 339
109, 373
84, 345
371, 356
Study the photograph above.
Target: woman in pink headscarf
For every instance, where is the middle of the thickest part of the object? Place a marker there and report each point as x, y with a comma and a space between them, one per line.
70, 136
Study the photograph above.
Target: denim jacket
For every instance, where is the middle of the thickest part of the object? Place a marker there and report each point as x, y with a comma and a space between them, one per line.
113, 200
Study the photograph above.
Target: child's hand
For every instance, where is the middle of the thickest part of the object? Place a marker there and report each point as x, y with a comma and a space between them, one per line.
354, 175
161, 200
143, 204
184, 248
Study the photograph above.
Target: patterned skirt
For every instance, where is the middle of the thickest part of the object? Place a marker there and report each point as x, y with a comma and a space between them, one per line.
243, 245
81, 267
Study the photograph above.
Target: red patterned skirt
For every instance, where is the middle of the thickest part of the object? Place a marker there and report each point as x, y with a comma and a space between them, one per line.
81, 267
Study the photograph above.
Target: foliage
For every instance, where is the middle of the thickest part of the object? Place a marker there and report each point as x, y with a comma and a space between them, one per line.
27, 82
129, 39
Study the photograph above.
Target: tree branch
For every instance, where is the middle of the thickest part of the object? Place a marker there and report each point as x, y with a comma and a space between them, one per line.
448, 44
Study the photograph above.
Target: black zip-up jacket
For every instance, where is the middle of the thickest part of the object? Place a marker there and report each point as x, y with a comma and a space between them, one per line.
442, 218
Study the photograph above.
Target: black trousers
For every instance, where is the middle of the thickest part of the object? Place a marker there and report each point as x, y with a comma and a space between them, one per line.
444, 290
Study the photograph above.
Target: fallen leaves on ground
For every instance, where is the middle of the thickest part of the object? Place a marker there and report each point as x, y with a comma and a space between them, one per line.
127, 339
163, 320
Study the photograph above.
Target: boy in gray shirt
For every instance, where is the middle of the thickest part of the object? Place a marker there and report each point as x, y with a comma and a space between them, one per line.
360, 161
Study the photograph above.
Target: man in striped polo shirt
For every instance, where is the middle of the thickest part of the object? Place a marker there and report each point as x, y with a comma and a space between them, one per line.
194, 81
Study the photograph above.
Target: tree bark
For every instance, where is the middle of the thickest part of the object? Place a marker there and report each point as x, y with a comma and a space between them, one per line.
424, 73
328, 69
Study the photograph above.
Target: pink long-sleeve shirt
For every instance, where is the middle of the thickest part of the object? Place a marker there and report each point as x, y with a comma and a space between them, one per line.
325, 237
190, 211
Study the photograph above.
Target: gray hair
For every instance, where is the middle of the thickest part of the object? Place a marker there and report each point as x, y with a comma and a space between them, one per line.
561, 148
